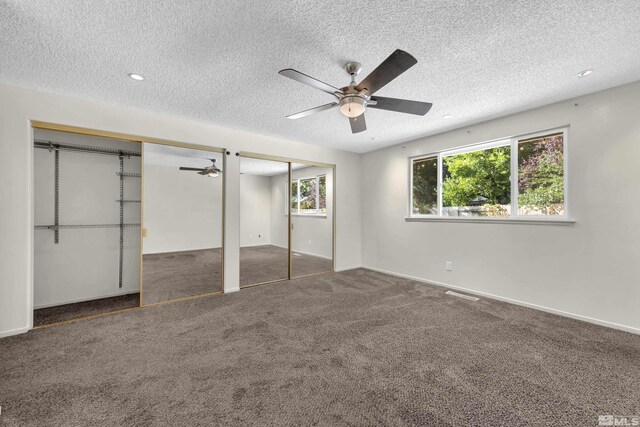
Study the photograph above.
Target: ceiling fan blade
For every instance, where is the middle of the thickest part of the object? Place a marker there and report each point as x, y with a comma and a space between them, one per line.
309, 81
306, 113
397, 63
358, 124
400, 105
192, 169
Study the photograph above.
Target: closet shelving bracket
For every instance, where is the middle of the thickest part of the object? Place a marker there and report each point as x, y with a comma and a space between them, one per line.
56, 148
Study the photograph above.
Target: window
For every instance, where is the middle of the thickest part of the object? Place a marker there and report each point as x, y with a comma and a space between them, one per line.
309, 196
541, 175
294, 197
425, 186
517, 177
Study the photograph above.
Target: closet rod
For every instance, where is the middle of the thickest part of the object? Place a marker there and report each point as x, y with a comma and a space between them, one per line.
68, 227
51, 145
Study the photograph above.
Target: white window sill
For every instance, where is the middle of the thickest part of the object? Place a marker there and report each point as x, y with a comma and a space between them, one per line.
309, 215
526, 221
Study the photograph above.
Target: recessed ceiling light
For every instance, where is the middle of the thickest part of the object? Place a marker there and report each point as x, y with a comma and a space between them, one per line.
584, 73
447, 116
135, 76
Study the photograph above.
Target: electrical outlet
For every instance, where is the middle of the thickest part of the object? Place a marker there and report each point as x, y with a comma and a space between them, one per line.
449, 266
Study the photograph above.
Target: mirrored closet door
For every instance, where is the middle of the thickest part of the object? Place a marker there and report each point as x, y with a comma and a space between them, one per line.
264, 221
182, 223
311, 219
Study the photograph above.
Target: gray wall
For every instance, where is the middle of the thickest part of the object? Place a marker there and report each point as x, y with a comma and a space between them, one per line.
590, 270
182, 210
255, 210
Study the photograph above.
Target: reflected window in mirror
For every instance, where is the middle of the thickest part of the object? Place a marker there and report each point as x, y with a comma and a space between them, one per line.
309, 196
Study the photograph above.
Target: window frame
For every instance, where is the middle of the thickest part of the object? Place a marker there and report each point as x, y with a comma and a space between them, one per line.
511, 142
296, 212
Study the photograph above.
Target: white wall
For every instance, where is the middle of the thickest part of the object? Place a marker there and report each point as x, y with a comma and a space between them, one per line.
84, 264
182, 210
19, 106
255, 210
311, 234
590, 270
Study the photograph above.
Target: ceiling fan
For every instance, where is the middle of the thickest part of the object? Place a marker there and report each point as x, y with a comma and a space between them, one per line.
355, 98
211, 171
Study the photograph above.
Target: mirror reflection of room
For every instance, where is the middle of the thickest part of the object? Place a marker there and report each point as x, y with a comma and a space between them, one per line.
87, 226
182, 220
264, 237
311, 219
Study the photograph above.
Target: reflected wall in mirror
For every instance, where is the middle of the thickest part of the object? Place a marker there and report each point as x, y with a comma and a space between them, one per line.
86, 239
264, 236
311, 218
182, 220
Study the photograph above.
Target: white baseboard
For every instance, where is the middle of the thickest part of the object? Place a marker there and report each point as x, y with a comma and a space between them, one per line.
111, 295
311, 254
354, 267
178, 251
258, 244
17, 331
605, 323
303, 252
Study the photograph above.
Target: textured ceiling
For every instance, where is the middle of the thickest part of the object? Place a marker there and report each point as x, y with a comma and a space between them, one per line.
217, 61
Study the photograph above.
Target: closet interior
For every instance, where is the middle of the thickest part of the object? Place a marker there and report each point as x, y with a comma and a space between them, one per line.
87, 225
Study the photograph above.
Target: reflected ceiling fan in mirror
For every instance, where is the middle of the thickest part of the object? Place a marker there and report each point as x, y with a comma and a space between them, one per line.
355, 98
211, 171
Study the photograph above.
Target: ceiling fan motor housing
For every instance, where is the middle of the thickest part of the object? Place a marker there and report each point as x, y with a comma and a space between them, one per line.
353, 105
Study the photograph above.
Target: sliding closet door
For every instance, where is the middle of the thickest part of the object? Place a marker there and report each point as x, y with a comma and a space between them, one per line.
264, 221
311, 219
182, 220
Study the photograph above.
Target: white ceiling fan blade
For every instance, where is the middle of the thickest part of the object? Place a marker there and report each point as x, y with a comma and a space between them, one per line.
310, 81
310, 111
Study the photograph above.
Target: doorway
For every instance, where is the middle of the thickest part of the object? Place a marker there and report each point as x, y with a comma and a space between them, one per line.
87, 226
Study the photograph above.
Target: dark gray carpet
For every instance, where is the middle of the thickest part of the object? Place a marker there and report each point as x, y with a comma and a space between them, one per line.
353, 348
176, 275
60, 313
259, 264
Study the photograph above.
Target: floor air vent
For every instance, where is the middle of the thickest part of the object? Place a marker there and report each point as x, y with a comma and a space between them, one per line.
455, 294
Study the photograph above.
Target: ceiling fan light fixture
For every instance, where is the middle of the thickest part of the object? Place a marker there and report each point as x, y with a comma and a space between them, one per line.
214, 174
354, 99
352, 106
